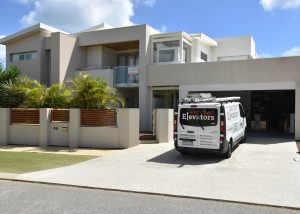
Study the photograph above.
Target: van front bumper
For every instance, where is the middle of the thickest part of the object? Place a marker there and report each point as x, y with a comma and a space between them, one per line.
223, 149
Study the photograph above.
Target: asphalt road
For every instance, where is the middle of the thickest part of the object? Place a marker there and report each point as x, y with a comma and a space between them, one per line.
18, 197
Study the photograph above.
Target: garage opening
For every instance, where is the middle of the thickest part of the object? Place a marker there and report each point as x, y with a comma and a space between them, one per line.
269, 111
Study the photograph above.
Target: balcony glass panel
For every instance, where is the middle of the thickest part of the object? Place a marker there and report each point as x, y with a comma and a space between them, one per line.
126, 75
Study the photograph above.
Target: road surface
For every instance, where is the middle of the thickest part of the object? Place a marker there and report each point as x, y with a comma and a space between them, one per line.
19, 197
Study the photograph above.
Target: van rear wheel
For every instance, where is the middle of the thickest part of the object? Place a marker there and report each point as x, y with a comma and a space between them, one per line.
229, 151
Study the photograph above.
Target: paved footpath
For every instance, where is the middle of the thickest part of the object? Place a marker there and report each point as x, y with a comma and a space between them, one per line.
262, 171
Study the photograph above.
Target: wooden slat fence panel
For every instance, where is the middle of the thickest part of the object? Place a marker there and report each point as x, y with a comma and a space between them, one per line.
60, 115
25, 116
98, 117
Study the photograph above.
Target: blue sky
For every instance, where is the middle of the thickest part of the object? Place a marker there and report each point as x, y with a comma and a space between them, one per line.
274, 24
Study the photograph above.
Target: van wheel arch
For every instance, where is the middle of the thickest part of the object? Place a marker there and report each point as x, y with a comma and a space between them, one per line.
227, 154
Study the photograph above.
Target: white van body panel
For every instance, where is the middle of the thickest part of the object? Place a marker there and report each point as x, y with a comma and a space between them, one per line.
195, 136
204, 133
235, 123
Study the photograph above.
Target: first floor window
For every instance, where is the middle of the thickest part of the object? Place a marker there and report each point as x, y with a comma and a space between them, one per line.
23, 56
167, 55
204, 56
166, 51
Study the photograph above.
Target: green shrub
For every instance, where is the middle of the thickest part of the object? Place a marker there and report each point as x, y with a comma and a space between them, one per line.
88, 93
35, 94
57, 96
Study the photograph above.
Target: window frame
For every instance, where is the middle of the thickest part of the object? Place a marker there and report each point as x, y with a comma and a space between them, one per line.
23, 56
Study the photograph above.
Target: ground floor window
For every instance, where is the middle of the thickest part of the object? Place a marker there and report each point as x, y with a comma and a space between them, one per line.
165, 99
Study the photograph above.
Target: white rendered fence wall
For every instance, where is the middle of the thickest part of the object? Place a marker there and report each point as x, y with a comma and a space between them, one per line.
47, 133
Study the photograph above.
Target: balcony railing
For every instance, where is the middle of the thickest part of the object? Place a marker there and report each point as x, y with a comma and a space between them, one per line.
126, 75
117, 76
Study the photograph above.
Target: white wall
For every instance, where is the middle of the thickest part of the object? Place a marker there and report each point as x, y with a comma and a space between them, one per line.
58, 134
164, 125
24, 134
124, 135
196, 51
99, 137
233, 46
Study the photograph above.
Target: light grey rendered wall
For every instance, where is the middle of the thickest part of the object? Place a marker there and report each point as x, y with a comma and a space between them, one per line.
109, 57
66, 56
276, 70
31, 68
94, 56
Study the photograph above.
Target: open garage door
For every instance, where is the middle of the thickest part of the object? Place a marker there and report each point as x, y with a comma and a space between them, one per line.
270, 112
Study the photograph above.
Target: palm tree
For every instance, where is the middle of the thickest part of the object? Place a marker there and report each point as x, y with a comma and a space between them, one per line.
57, 96
91, 93
11, 73
11, 95
34, 92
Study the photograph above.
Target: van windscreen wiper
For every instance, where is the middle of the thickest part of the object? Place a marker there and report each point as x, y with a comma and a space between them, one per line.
202, 127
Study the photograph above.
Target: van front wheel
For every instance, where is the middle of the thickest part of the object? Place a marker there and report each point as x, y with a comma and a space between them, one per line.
229, 151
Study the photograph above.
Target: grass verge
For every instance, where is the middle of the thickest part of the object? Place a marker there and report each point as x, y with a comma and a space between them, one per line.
22, 162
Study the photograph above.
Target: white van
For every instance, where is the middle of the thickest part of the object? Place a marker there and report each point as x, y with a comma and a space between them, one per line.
209, 125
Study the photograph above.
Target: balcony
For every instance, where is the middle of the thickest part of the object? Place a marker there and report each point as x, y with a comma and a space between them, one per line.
119, 76
126, 76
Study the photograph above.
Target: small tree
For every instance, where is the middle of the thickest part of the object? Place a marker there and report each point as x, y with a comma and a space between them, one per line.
34, 91
57, 96
12, 73
91, 93
11, 95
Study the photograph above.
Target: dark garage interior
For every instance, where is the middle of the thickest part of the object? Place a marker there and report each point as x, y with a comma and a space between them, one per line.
269, 111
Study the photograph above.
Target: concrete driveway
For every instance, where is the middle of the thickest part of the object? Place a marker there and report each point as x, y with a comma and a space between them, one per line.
264, 171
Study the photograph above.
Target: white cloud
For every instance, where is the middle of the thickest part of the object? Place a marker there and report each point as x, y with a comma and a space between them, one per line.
2, 52
270, 5
163, 29
149, 3
73, 16
295, 51
25, 1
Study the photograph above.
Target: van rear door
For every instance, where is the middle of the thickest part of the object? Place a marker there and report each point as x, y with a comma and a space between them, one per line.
198, 126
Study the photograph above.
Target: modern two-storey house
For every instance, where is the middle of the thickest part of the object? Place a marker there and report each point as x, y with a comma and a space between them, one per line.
156, 70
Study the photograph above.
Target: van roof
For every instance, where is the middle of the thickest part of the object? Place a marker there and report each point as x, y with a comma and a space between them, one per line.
194, 100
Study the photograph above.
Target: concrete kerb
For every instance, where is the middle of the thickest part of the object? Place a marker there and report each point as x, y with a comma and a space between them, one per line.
151, 193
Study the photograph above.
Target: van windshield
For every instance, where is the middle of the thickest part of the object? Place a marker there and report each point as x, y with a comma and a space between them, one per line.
199, 117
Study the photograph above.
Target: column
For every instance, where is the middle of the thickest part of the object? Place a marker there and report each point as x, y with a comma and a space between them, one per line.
74, 128
4, 126
297, 111
164, 125
128, 127
44, 127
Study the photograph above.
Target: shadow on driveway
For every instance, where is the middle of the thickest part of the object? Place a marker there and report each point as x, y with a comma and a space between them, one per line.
174, 157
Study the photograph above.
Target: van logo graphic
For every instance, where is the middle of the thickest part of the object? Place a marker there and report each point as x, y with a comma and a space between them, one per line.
198, 117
